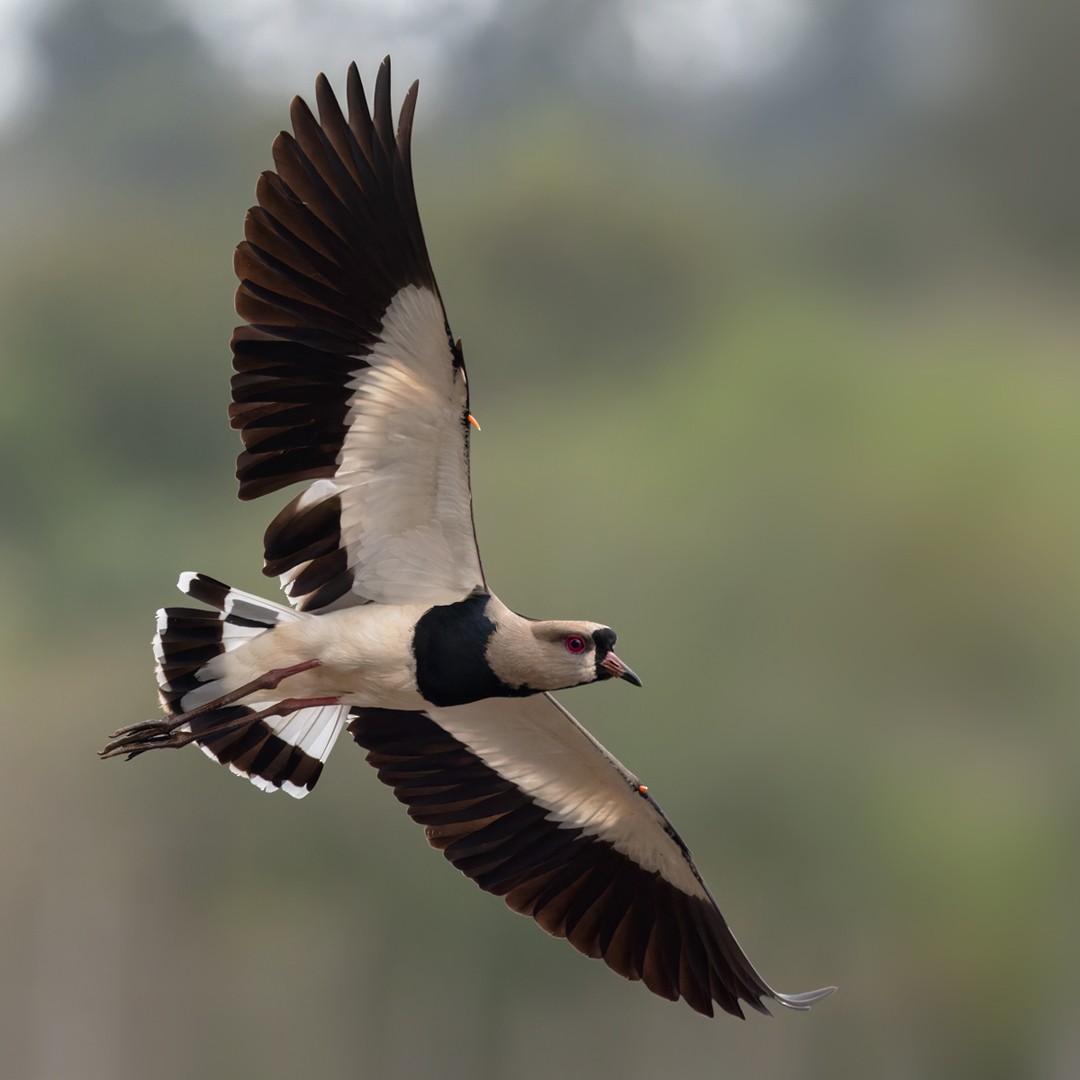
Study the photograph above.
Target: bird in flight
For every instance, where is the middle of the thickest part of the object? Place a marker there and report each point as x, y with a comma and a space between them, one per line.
348, 379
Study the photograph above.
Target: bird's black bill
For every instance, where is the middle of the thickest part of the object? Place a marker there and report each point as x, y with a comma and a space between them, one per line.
617, 669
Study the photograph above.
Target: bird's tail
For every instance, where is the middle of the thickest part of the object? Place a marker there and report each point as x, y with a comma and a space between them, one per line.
273, 752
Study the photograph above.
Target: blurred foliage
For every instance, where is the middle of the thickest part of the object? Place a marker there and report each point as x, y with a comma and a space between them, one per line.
813, 453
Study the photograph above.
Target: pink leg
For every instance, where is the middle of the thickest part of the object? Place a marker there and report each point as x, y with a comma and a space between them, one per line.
159, 734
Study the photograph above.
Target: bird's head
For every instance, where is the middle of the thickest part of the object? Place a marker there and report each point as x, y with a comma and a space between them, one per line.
555, 655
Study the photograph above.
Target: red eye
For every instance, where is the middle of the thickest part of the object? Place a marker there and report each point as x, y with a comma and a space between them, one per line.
575, 643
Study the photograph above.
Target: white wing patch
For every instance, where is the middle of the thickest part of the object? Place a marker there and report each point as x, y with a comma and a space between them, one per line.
242, 604
536, 744
406, 508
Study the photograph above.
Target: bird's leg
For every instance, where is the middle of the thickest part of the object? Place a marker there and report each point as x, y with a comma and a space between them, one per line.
136, 744
154, 734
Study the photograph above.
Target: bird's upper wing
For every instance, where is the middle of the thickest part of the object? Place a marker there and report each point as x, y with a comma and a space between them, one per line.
525, 802
346, 372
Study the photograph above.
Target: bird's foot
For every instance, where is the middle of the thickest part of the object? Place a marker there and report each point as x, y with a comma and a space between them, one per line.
166, 732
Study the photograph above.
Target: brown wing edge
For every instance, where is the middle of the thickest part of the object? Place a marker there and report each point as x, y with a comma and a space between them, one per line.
335, 235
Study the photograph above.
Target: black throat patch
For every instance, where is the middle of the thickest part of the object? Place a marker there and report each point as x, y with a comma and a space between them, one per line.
450, 643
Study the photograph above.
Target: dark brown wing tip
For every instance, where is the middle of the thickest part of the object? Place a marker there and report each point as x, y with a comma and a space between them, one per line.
408, 109
382, 82
354, 87
300, 114
325, 98
298, 104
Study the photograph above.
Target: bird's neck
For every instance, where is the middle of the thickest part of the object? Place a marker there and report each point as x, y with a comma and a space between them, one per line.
451, 645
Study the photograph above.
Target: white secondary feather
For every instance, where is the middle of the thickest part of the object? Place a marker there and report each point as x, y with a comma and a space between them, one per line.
232, 637
535, 743
403, 477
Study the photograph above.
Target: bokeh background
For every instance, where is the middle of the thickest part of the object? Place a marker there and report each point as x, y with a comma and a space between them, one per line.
771, 317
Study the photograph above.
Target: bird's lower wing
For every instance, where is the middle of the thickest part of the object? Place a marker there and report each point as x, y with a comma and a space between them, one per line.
520, 798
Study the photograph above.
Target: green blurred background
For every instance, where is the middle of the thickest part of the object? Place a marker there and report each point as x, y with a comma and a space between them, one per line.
770, 312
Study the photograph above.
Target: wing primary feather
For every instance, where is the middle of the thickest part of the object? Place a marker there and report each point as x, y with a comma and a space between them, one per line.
359, 114
383, 117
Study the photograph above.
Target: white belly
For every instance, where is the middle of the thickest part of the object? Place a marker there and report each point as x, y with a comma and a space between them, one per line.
365, 656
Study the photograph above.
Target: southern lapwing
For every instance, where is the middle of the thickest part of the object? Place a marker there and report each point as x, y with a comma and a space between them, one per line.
348, 378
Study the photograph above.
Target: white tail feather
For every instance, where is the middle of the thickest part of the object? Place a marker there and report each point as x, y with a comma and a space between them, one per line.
314, 731
273, 752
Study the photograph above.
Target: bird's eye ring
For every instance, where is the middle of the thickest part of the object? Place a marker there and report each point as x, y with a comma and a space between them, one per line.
575, 643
